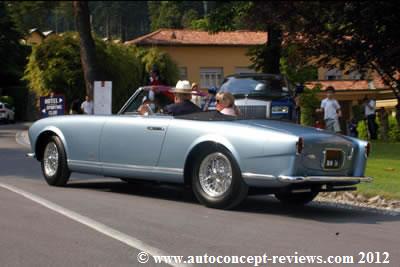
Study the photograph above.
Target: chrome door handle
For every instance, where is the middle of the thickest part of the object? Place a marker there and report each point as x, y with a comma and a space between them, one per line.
155, 128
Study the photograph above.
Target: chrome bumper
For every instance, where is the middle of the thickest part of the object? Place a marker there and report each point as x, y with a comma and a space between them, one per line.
284, 179
30, 155
302, 179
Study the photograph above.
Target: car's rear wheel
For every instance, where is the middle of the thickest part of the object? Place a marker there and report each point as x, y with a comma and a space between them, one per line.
54, 163
216, 179
296, 198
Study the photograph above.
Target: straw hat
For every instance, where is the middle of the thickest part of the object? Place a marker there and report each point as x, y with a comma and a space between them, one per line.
182, 87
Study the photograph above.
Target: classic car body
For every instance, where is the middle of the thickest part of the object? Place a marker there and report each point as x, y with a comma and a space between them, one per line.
275, 155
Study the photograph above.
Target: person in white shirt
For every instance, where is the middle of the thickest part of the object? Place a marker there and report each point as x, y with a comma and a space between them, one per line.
369, 112
87, 106
331, 109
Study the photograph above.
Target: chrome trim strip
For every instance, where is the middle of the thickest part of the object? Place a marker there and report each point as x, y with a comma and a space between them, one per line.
30, 155
128, 167
258, 176
84, 163
300, 179
142, 168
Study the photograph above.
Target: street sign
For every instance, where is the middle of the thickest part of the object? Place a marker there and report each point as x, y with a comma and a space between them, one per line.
52, 106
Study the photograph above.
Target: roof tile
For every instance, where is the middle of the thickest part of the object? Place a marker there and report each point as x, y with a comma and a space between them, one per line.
194, 37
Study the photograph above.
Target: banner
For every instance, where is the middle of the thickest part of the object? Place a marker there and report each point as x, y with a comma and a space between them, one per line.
102, 97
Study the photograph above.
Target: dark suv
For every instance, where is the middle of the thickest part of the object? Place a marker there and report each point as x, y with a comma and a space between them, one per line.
261, 95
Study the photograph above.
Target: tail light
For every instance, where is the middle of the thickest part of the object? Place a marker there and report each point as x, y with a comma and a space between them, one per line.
368, 149
300, 145
2, 111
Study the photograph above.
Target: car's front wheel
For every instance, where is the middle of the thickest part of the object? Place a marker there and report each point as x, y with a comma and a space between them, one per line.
54, 163
296, 198
217, 181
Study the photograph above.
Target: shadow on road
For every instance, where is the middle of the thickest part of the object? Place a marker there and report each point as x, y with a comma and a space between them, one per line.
254, 204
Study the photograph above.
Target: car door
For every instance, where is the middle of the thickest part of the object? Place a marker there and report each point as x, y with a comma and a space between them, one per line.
130, 145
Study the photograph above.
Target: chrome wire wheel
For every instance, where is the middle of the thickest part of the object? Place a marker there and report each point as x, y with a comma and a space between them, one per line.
215, 174
50, 159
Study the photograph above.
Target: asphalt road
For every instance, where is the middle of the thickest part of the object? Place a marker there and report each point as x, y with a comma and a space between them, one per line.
98, 221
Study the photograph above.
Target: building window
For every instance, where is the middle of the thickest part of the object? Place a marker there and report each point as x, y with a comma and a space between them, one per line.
211, 77
333, 74
244, 70
183, 73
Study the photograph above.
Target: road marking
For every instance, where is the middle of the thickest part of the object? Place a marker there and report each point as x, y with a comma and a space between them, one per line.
95, 225
19, 138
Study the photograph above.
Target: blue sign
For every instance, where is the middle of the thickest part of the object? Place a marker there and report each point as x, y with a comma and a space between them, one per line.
52, 106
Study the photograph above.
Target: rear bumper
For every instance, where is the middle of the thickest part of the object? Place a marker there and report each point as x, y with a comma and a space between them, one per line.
255, 179
323, 179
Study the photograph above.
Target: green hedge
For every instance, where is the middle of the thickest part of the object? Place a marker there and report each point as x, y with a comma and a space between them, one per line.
393, 133
309, 102
55, 65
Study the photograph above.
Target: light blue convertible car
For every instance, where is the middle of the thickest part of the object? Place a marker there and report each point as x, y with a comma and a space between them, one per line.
221, 158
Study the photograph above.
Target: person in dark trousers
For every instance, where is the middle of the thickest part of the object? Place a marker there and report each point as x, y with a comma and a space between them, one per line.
370, 115
183, 104
353, 128
384, 120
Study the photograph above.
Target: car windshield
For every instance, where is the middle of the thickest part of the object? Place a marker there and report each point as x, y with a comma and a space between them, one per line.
263, 86
155, 98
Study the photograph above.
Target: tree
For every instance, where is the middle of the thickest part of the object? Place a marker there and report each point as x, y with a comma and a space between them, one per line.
179, 14
55, 65
359, 35
27, 15
164, 14
189, 17
87, 46
269, 16
295, 67
12, 53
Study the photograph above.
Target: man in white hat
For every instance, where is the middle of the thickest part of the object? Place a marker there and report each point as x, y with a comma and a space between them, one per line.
182, 105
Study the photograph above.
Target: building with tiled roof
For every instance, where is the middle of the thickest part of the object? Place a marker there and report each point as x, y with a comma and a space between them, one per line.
203, 57
193, 37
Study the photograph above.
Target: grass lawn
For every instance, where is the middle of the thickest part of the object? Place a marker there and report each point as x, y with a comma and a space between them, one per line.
384, 165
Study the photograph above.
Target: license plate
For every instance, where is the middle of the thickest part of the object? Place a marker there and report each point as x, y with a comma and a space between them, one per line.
333, 159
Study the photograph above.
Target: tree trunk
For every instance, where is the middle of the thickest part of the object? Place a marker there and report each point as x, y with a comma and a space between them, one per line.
87, 46
273, 50
123, 28
108, 27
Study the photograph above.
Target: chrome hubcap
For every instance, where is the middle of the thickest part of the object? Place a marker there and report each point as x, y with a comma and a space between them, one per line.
50, 159
215, 174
